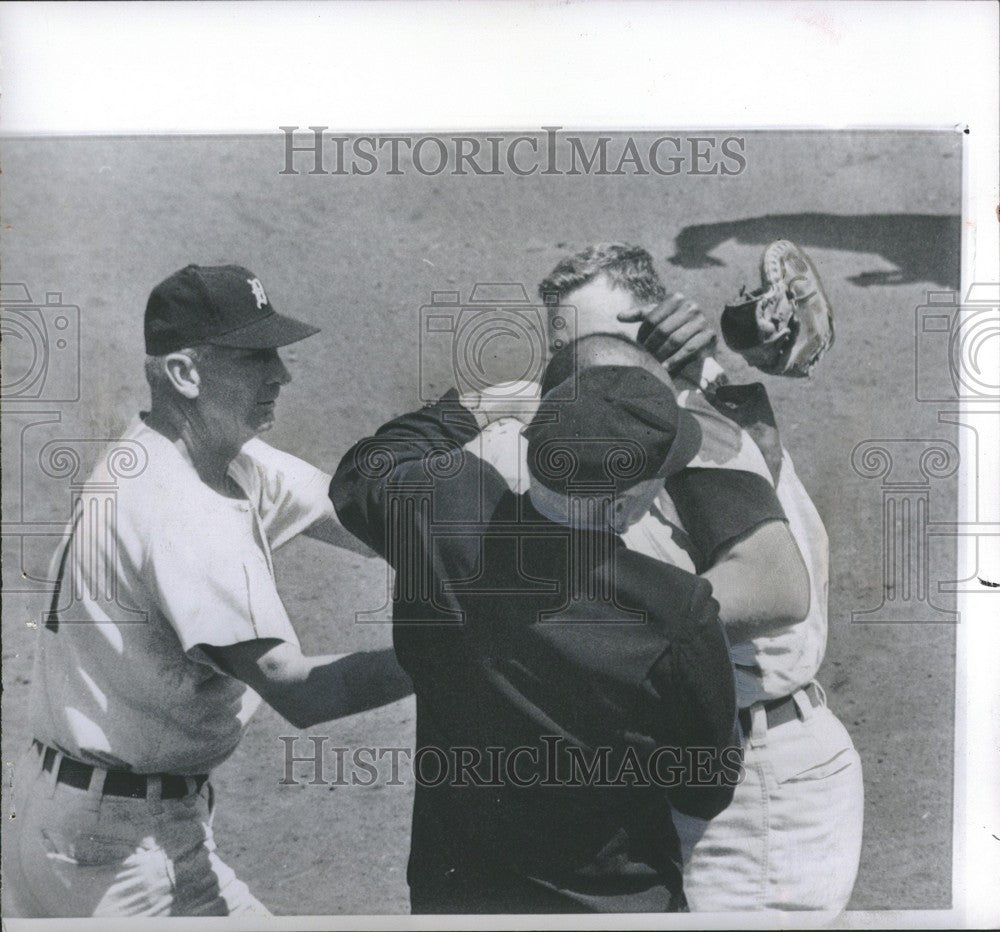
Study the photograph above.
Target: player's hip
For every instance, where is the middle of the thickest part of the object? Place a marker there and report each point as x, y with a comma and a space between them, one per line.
798, 737
791, 837
88, 850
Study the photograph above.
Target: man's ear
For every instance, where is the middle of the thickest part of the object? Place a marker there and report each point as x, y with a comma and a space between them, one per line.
182, 371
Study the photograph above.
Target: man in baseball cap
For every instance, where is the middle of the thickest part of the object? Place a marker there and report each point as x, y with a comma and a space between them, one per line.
166, 628
535, 638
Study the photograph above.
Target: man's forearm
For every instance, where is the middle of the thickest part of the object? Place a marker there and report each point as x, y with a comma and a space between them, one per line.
309, 690
331, 687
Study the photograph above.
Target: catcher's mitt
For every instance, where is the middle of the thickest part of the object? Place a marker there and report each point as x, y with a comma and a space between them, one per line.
786, 326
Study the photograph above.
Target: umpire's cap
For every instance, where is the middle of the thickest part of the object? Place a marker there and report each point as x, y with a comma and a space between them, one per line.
225, 305
609, 427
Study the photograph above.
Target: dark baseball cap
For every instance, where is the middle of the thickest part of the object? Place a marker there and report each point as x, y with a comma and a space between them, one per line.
225, 305
610, 426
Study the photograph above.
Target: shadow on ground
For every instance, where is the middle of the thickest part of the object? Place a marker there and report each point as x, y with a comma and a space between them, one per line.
921, 246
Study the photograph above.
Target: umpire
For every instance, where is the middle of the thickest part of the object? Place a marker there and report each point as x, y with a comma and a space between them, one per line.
166, 627
535, 639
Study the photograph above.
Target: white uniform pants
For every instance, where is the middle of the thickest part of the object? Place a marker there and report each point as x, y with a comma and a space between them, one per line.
791, 838
71, 852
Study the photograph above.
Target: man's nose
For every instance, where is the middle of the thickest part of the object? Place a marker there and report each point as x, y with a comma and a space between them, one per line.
279, 372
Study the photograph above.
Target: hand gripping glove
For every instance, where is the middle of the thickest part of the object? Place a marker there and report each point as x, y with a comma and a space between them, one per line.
785, 326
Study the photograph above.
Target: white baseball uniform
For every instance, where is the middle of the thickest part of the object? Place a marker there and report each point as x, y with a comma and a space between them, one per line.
791, 838
121, 683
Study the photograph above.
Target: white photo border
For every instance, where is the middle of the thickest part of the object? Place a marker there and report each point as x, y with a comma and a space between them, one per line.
188, 68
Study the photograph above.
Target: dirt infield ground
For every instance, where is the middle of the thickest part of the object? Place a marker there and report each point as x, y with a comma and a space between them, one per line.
102, 220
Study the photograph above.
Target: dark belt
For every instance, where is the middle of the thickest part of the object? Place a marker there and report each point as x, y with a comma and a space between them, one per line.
117, 782
780, 711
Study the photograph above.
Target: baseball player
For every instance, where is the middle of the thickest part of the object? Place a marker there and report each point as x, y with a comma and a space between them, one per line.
791, 838
166, 628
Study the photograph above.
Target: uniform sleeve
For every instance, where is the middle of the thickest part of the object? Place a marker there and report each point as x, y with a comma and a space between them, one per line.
291, 494
719, 506
215, 587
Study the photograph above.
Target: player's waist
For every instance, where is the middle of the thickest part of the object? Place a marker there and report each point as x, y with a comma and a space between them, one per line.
786, 709
79, 775
770, 674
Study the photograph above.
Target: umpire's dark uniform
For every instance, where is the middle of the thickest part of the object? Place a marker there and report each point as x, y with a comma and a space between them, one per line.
519, 633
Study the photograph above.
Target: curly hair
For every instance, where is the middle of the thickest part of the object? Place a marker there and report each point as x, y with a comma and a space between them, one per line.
628, 267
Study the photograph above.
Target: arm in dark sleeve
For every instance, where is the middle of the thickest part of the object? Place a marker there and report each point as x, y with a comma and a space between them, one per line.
720, 506
401, 459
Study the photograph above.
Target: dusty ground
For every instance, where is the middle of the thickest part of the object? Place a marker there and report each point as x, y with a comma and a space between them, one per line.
102, 220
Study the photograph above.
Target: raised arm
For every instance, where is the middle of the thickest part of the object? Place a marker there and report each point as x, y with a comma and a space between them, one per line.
756, 569
410, 451
376, 468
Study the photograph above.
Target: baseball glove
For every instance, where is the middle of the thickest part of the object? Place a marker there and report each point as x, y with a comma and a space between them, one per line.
785, 326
